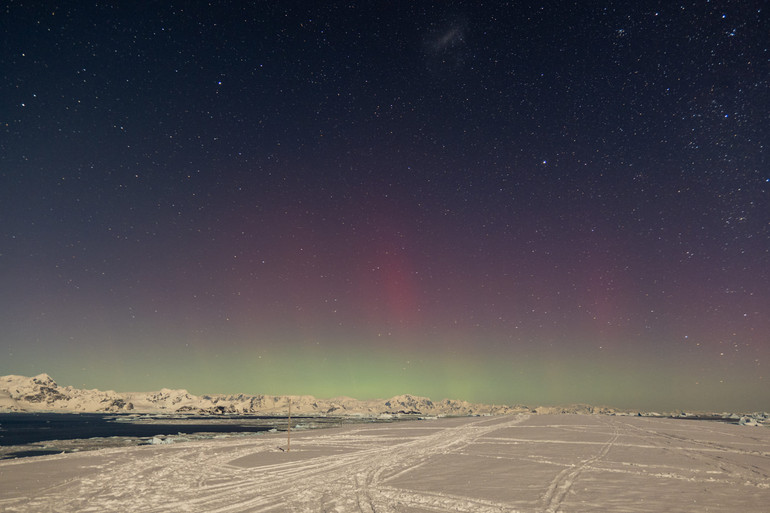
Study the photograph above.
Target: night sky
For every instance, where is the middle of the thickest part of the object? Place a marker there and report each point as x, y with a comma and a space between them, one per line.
510, 202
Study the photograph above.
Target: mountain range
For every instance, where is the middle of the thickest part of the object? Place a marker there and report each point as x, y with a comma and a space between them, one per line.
42, 393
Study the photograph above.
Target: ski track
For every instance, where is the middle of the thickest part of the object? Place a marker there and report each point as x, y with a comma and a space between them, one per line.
365, 468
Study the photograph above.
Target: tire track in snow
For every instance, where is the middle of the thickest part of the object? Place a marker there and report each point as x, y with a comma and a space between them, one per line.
561, 484
200, 476
355, 481
710, 454
371, 473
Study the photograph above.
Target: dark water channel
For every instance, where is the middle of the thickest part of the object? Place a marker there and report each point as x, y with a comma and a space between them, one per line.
32, 434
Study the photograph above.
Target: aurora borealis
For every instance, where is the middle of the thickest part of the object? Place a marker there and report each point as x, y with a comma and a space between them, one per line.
536, 203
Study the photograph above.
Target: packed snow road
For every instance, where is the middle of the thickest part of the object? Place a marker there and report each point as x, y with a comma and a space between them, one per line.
538, 463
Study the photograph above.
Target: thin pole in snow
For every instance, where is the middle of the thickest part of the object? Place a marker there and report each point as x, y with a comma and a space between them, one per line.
288, 430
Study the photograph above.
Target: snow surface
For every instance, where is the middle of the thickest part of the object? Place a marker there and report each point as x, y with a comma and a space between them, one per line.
527, 463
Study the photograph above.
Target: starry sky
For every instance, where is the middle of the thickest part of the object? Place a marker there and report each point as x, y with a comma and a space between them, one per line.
503, 202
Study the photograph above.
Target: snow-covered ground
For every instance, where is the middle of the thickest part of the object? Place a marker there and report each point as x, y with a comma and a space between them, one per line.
528, 463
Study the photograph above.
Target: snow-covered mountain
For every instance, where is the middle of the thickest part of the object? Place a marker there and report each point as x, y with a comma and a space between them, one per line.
42, 393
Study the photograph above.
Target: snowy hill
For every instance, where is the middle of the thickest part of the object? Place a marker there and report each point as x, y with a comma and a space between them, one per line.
42, 393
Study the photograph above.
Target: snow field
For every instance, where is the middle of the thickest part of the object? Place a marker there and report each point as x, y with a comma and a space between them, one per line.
518, 463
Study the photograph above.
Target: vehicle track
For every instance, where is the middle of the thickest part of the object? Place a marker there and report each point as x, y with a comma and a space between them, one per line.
201, 477
561, 485
710, 454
